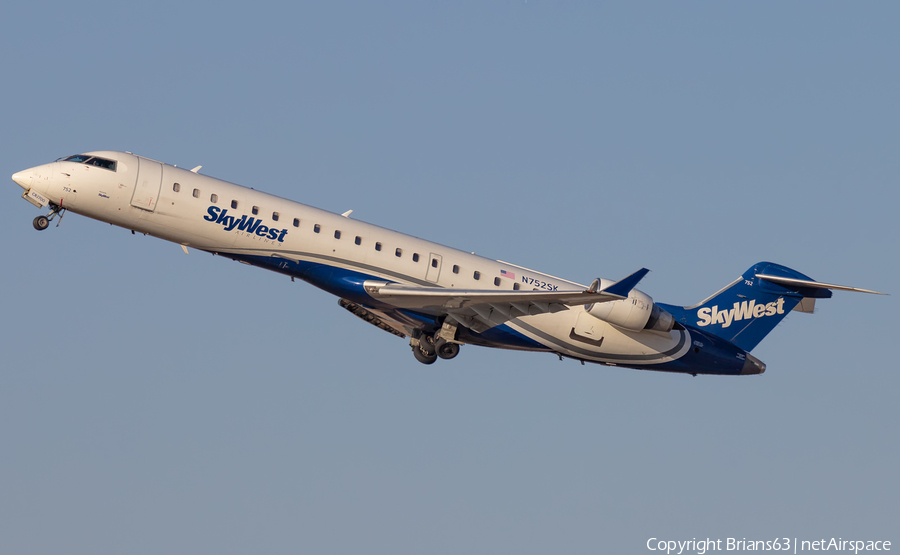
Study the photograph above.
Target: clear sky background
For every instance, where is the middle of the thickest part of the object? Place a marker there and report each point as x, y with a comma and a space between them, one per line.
152, 402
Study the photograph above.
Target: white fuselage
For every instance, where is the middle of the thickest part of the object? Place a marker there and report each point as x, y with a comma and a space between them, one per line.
205, 213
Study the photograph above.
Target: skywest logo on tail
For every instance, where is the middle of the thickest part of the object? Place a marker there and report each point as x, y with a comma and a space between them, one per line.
741, 311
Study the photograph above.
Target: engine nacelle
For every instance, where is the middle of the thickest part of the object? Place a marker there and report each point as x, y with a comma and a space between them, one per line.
637, 312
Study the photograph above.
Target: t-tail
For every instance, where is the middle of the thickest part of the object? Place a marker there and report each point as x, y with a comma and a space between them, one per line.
747, 309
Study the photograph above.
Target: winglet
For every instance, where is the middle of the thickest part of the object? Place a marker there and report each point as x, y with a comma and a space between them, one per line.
626, 284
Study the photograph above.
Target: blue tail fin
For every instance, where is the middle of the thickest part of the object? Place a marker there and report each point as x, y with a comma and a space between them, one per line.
746, 310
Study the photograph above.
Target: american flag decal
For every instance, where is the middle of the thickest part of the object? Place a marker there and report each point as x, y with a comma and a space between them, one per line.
510, 275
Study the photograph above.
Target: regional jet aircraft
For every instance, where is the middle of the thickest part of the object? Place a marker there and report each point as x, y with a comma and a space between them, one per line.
439, 297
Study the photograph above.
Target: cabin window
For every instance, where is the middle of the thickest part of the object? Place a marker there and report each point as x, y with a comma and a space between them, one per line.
213, 198
255, 210
337, 234
275, 216
497, 281
516, 286
317, 228
234, 204
434, 262
415, 257
399, 252
176, 187
296, 222
196, 193
455, 269
358, 240
477, 274
377, 246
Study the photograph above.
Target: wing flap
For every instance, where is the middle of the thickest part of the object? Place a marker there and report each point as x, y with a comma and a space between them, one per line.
372, 318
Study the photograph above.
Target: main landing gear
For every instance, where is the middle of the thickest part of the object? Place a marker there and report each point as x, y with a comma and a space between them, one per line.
427, 349
43, 222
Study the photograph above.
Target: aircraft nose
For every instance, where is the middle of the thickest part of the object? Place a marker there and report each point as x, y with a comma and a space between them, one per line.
24, 178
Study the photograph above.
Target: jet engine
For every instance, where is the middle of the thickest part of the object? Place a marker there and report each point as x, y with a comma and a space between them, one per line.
636, 312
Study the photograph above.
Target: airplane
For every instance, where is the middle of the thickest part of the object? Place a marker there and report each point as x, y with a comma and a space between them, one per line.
439, 297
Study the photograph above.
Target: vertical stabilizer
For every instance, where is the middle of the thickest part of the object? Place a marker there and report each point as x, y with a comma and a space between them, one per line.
750, 307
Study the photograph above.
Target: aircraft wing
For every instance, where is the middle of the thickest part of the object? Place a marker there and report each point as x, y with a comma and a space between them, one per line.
481, 309
404, 296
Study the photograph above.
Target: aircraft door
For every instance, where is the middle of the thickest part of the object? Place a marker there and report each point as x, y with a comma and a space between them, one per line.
434, 268
149, 181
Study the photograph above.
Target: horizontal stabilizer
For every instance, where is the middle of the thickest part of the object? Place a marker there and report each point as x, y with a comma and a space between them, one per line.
793, 282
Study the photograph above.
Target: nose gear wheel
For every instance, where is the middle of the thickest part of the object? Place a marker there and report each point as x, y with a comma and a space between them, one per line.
43, 222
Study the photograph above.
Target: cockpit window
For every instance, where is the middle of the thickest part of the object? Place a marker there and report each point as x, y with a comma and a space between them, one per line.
77, 158
92, 161
102, 163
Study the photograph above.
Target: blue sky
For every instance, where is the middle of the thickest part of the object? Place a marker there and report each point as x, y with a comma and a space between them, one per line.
152, 401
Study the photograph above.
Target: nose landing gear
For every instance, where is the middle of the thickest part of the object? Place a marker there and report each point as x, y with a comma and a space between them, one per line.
43, 222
